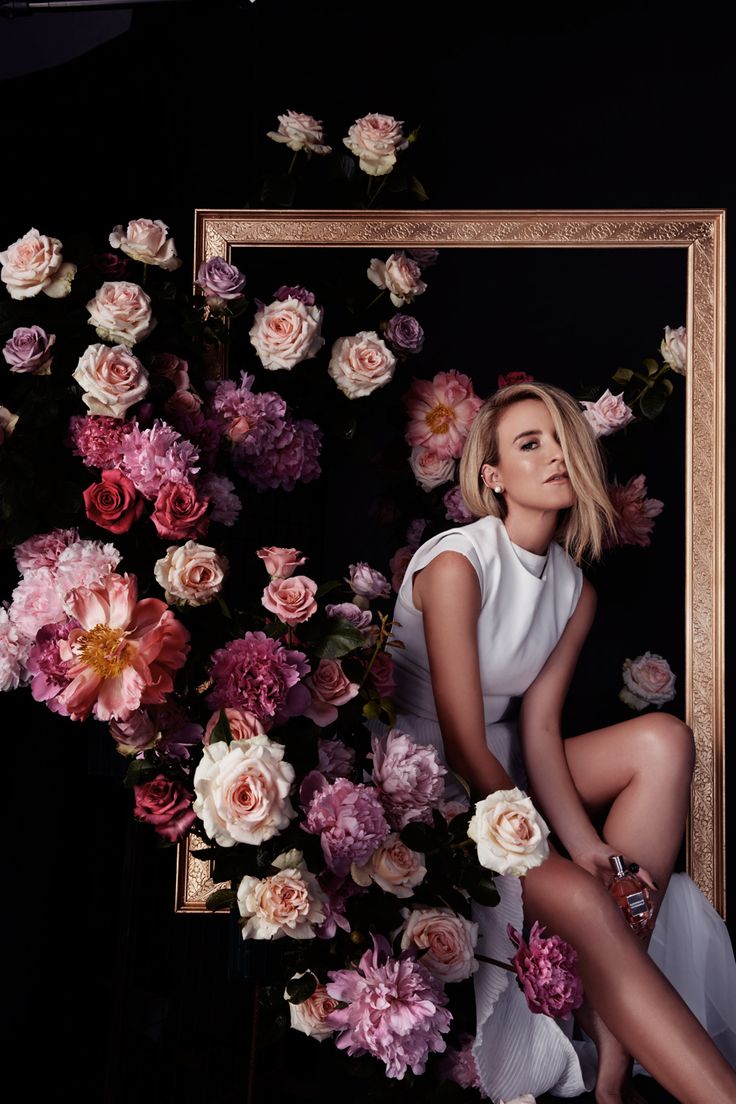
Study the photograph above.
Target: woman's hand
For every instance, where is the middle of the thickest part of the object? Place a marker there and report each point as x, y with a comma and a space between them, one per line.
595, 861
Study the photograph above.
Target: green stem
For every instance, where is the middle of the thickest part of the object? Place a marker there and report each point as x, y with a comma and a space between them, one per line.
495, 962
293, 162
377, 192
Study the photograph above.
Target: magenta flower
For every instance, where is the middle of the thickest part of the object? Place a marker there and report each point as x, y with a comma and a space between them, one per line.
547, 972
394, 1010
260, 676
635, 512
336, 759
98, 439
167, 805
410, 778
49, 670
151, 457
459, 1066
348, 818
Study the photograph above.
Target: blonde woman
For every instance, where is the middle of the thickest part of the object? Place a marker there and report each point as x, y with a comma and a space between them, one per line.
493, 616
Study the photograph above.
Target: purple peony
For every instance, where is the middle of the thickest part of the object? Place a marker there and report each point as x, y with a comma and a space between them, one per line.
410, 778
547, 972
336, 759
394, 1010
348, 818
455, 508
259, 675
459, 1066
29, 349
226, 504
219, 279
405, 333
290, 457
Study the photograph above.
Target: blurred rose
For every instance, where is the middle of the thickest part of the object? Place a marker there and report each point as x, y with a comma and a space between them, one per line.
360, 364
648, 680
382, 673
121, 313
34, 264
173, 368
242, 724
455, 508
167, 805
430, 469
514, 377
300, 132
635, 512
398, 565
375, 140
393, 866
146, 240
405, 334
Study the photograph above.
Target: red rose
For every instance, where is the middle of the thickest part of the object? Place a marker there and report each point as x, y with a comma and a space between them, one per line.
114, 503
514, 377
180, 513
167, 805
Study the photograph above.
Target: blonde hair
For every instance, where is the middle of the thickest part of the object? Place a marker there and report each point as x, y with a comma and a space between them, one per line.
584, 525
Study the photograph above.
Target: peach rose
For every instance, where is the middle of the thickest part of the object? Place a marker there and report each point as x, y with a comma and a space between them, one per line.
280, 563
121, 312
510, 834
288, 903
309, 1016
191, 574
430, 469
399, 275
375, 140
292, 599
146, 240
34, 264
449, 940
648, 680
300, 132
243, 725
329, 687
607, 414
286, 332
112, 379
674, 349
393, 866
361, 364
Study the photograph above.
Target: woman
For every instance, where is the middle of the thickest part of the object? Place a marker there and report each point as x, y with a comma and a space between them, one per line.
495, 613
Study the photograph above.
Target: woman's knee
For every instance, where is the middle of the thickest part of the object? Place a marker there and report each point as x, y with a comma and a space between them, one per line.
668, 743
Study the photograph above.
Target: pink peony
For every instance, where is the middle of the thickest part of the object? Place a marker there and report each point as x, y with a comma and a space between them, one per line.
329, 687
37, 601
13, 650
152, 457
634, 511
394, 1010
348, 818
547, 972
225, 503
124, 653
167, 805
257, 674
336, 759
44, 549
459, 1066
98, 439
50, 672
441, 412
410, 777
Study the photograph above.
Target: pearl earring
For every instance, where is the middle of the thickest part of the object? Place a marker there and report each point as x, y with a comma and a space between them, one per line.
498, 489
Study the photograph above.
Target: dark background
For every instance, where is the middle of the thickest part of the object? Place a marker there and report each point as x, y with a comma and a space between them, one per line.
109, 117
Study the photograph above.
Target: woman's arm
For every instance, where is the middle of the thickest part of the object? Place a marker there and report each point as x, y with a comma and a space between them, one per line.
449, 590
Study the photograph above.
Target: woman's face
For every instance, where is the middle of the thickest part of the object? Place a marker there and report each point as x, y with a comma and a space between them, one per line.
530, 454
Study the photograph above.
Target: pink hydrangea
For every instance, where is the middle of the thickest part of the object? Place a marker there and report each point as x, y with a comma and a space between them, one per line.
43, 550
348, 818
290, 457
395, 1010
98, 439
460, 1066
151, 457
547, 972
635, 512
48, 669
441, 412
13, 650
225, 503
259, 675
410, 777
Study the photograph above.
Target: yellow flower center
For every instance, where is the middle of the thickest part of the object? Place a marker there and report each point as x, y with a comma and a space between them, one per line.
105, 650
439, 418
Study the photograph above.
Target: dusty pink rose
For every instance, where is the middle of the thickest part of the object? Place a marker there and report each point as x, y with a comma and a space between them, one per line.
547, 972
348, 818
375, 140
180, 512
510, 834
191, 574
382, 673
635, 512
448, 939
121, 313
607, 414
309, 1015
648, 680
288, 903
242, 724
300, 132
167, 805
360, 364
146, 240
329, 687
367, 582
292, 599
286, 332
399, 275
393, 866
280, 563
34, 264
409, 776
29, 350
124, 653
674, 349
137, 734
112, 379
430, 468
182, 403
441, 412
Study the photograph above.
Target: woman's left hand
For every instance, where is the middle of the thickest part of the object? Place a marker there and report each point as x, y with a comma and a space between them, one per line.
595, 861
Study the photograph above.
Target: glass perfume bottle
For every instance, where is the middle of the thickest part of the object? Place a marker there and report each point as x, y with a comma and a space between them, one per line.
632, 896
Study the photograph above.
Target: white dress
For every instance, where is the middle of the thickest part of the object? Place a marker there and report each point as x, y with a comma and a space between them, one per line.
526, 601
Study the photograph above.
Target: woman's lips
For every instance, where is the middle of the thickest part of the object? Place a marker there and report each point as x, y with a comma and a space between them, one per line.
557, 479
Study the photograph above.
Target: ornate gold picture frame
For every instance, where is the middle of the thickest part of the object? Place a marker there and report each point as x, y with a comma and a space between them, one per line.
701, 235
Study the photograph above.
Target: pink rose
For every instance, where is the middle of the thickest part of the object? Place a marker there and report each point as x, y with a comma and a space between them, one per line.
393, 866
367, 582
146, 240
113, 503
399, 275
309, 1015
361, 364
292, 599
607, 414
286, 332
112, 379
449, 940
121, 313
181, 403
329, 687
648, 680
288, 903
191, 574
242, 724
34, 264
514, 377
166, 804
179, 512
674, 349
375, 140
430, 469
29, 350
280, 563
300, 132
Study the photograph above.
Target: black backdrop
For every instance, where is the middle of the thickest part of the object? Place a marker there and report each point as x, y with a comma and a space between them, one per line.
519, 109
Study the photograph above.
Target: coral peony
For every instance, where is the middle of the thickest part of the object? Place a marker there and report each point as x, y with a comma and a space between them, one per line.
441, 411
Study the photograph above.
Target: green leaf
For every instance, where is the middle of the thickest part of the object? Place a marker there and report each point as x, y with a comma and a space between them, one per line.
140, 771
221, 899
371, 710
622, 375
343, 637
221, 730
651, 366
301, 988
652, 402
327, 587
418, 189
481, 886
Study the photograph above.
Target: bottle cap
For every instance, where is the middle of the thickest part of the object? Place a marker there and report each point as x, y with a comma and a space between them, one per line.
618, 864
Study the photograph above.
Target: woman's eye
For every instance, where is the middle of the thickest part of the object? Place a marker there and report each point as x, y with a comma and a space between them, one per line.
528, 443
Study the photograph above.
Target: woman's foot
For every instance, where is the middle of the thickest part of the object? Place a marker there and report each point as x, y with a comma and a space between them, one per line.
613, 1082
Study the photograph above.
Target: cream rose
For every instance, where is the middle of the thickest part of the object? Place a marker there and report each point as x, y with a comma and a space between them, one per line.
146, 240
393, 866
286, 332
674, 349
112, 379
399, 275
243, 725
361, 364
121, 312
648, 680
430, 470
34, 264
243, 791
510, 834
292, 599
449, 940
608, 413
280, 563
191, 574
375, 140
309, 1016
300, 132
288, 903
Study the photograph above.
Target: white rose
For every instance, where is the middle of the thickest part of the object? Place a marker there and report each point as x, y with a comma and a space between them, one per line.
191, 574
648, 680
145, 240
309, 1016
112, 379
286, 332
243, 791
375, 139
449, 940
393, 866
510, 834
300, 132
288, 903
33, 264
400, 275
121, 312
430, 470
674, 349
361, 364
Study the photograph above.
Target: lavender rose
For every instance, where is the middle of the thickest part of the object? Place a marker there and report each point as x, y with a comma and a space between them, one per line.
220, 280
366, 582
405, 333
29, 350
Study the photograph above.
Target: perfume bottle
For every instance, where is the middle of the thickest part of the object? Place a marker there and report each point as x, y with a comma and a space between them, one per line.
632, 896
